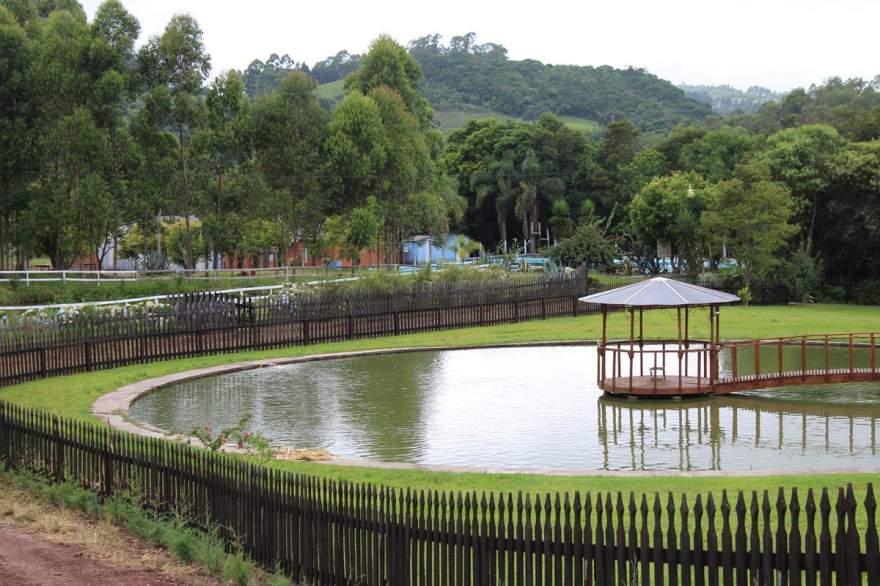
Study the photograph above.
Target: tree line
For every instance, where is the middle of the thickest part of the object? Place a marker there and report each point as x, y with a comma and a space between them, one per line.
103, 147
791, 191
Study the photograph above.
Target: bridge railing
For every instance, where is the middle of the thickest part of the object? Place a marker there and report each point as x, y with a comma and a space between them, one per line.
810, 358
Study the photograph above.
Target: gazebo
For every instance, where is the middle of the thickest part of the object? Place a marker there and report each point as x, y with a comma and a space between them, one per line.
659, 368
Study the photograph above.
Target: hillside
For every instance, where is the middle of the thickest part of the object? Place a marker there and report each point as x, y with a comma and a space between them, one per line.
469, 79
726, 100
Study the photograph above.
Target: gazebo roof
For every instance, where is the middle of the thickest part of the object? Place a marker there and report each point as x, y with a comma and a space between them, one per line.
660, 292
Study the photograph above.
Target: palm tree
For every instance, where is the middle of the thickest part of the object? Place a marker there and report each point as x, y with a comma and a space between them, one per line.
496, 181
527, 196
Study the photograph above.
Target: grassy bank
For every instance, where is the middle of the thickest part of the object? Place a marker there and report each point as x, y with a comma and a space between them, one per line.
72, 396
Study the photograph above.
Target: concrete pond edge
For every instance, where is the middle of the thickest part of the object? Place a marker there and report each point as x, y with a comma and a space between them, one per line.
114, 409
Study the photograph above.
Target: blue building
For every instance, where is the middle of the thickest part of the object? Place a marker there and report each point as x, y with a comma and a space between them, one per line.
420, 250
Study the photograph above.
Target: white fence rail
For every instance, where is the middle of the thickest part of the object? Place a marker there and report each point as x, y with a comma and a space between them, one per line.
108, 276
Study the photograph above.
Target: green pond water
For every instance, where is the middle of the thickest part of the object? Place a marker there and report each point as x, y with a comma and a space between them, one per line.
524, 408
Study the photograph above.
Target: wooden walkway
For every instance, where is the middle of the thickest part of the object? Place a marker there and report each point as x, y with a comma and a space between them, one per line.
691, 386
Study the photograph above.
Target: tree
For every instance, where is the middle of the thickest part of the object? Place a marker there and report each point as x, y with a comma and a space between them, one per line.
668, 210
388, 64
801, 159
751, 214
589, 244
849, 238
68, 215
364, 224
290, 134
114, 32
715, 154
222, 148
18, 135
496, 183
617, 149
176, 62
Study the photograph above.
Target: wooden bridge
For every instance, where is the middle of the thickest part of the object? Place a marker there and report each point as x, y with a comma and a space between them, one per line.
668, 368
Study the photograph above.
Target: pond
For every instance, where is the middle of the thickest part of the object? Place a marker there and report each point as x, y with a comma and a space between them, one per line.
523, 408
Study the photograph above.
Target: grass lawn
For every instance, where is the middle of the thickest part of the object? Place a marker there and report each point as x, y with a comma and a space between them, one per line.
72, 396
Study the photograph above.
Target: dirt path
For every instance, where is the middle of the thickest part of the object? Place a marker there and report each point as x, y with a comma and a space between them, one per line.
27, 560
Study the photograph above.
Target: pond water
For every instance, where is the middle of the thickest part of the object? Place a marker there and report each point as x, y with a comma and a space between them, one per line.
523, 408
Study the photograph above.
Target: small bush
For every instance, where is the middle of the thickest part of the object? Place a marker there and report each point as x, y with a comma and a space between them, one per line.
237, 569
867, 292
209, 551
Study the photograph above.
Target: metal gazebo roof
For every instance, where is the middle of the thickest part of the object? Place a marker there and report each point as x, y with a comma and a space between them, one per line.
660, 292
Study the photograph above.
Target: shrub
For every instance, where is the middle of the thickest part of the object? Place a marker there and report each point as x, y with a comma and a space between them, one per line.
867, 292
237, 569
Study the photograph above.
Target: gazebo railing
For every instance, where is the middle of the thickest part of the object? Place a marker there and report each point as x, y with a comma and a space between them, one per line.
656, 366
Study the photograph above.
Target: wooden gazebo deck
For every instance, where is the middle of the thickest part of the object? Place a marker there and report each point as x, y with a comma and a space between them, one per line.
647, 386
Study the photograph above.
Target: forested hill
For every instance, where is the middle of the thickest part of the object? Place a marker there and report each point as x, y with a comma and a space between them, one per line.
466, 76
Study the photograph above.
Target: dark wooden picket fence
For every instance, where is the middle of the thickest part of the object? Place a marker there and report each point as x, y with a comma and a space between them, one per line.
334, 533
209, 323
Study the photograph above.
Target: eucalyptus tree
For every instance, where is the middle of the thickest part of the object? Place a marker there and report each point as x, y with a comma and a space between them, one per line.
114, 32
17, 133
221, 149
289, 130
176, 63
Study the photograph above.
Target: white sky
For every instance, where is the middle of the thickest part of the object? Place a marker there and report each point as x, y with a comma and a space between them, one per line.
778, 44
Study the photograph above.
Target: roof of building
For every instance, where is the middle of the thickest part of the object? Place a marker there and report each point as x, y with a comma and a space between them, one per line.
660, 292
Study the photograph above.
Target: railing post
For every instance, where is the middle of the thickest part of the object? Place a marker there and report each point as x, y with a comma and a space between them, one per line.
850, 355
108, 463
779, 361
873, 356
305, 331
44, 362
733, 362
803, 359
350, 327
827, 361
5, 451
757, 360
543, 308
58, 456
396, 323
574, 307
87, 348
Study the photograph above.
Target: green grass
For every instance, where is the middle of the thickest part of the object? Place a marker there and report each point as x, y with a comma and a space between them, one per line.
333, 90
72, 396
450, 120
582, 124
77, 292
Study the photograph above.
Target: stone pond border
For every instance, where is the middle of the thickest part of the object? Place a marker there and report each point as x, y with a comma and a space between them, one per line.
113, 408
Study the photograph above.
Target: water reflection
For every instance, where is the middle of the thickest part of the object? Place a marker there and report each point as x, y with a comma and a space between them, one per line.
523, 408
759, 430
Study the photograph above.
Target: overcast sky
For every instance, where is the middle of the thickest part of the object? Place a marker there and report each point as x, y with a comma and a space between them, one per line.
778, 44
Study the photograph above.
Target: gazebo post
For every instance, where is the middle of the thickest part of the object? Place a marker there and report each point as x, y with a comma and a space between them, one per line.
632, 343
687, 343
641, 343
601, 372
711, 365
